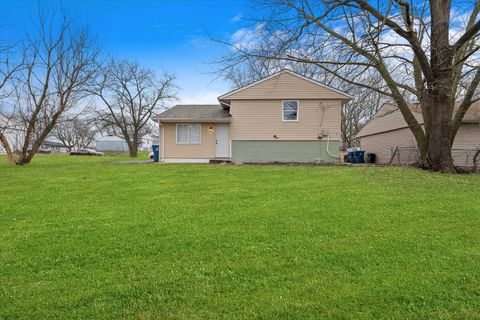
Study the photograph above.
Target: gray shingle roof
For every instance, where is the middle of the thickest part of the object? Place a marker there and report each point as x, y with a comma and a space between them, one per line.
195, 112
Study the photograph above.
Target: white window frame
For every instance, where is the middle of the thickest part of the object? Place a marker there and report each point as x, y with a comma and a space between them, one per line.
188, 133
298, 111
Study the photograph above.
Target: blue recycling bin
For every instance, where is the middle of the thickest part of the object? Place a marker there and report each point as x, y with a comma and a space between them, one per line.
356, 156
359, 157
156, 153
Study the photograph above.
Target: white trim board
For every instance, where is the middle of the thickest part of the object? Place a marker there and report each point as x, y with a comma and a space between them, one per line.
298, 111
181, 160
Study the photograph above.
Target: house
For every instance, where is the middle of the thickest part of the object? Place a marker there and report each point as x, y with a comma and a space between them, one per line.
285, 117
13, 131
387, 136
147, 141
53, 146
111, 143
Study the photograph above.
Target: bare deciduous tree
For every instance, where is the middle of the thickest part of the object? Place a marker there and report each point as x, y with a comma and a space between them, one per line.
8, 69
75, 133
131, 94
420, 50
60, 62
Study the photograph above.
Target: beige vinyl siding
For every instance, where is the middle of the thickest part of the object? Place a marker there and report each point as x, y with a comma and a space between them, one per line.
286, 86
387, 121
468, 138
204, 150
262, 119
381, 144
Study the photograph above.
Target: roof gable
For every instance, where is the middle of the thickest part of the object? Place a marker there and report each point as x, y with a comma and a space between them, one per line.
386, 119
286, 84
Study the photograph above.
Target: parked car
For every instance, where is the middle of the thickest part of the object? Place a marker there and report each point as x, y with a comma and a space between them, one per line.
86, 152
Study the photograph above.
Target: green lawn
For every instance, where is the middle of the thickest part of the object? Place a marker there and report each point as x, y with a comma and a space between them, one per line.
84, 238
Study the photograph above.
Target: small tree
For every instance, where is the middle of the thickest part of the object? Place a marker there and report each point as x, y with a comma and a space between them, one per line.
60, 62
75, 133
8, 69
131, 94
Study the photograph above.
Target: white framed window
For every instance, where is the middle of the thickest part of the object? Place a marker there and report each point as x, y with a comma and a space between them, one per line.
290, 110
189, 133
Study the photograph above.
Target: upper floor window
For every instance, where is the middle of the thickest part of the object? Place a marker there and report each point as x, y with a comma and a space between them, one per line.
290, 110
188, 133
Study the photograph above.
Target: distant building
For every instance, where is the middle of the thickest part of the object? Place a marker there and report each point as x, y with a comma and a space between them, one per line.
53, 146
147, 141
111, 143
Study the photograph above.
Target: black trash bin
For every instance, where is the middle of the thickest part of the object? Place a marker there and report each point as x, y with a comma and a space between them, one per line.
371, 157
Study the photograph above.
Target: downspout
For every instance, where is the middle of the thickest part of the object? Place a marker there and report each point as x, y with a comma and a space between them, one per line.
162, 156
320, 131
328, 151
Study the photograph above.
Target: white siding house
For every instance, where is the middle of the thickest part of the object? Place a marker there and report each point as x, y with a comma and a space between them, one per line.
147, 141
112, 144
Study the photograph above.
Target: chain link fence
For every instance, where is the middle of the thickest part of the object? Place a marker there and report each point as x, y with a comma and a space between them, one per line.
464, 158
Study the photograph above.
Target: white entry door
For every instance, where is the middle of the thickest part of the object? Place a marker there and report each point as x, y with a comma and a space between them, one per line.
223, 141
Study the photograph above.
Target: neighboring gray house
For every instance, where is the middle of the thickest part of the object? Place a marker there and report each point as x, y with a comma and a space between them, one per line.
111, 143
53, 146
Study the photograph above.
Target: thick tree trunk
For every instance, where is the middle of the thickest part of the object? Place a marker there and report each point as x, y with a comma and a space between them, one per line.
439, 122
8, 150
133, 150
438, 118
133, 147
26, 158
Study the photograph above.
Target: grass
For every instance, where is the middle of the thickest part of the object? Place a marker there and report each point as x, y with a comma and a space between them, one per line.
84, 238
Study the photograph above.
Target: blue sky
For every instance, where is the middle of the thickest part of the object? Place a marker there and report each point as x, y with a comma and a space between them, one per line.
171, 35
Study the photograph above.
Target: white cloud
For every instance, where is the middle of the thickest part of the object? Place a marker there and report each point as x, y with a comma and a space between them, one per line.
204, 97
247, 38
237, 18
